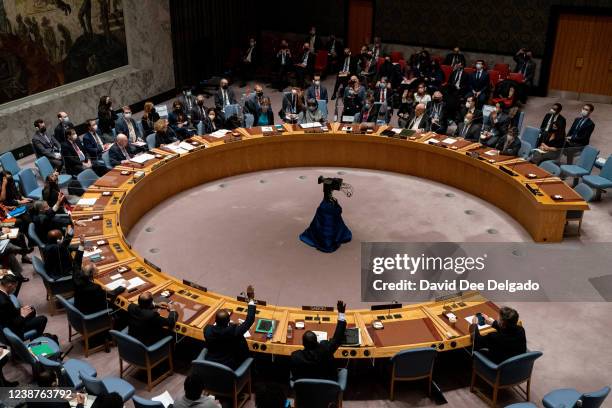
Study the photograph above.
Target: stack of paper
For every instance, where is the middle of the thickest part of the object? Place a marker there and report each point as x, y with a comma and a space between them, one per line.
87, 202
219, 133
186, 146
310, 125
165, 399
176, 148
449, 140
142, 158
267, 129
469, 320
321, 335
397, 130
491, 153
94, 251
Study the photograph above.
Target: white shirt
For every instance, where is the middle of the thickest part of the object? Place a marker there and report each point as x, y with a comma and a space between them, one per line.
417, 122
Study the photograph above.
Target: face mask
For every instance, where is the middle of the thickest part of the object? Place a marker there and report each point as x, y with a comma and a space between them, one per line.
259, 93
42, 129
200, 103
367, 106
74, 137
317, 83
127, 115
224, 86
437, 99
294, 92
553, 111
466, 120
584, 112
467, 105
478, 66
188, 93
211, 117
312, 108
381, 85
95, 128
66, 119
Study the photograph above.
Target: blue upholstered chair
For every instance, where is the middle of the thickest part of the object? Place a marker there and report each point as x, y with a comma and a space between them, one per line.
30, 334
531, 135
29, 185
551, 167
151, 141
22, 349
508, 374
140, 402
523, 405
520, 120
62, 286
221, 380
569, 397
86, 325
68, 371
45, 168
8, 162
583, 167
320, 393
603, 181
323, 108
411, 365
34, 237
525, 149
106, 160
86, 178
587, 195
107, 385
137, 355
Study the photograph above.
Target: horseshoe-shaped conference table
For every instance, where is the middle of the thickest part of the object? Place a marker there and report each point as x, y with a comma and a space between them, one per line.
115, 203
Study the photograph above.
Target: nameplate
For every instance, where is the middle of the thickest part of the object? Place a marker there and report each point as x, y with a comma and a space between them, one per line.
194, 285
318, 308
152, 265
449, 296
386, 307
257, 301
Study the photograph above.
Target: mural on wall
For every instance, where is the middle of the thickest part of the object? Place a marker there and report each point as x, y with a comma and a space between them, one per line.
48, 43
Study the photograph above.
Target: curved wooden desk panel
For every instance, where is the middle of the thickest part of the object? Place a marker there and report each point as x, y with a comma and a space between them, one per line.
124, 199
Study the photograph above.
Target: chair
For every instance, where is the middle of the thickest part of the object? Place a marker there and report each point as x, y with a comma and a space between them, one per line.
10, 164
320, 393
531, 134
29, 185
603, 181
200, 128
62, 286
106, 160
402, 64
396, 56
523, 405
516, 76
86, 178
221, 380
448, 70
23, 350
68, 371
30, 334
86, 325
525, 150
411, 365
583, 167
140, 402
503, 69
569, 397
587, 195
469, 70
323, 108
107, 385
45, 168
494, 77
551, 167
151, 141
508, 374
136, 354
320, 61
519, 120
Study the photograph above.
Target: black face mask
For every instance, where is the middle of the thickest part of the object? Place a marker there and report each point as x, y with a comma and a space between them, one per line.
42, 129
259, 94
437, 100
224, 86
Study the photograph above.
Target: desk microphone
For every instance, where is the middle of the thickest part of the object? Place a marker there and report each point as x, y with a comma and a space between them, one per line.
389, 310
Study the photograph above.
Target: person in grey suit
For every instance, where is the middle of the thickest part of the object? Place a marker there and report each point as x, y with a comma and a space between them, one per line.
126, 125
468, 129
46, 146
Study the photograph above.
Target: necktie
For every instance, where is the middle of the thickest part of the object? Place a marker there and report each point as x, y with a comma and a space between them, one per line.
346, 65
478, 75
458, 83
317, 93
98, 140
225, 101
131, 131
78, 152
382, 95
579, 125
125, 153
550, 122
465, 129
454, 60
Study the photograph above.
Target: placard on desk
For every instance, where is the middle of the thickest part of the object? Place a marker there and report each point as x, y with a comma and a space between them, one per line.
528, 170
553, 188
496, 158
459, 143
111, 251
115, 179
105, 201
259, 131
106, 225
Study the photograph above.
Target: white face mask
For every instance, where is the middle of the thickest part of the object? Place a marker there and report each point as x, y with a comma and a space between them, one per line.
127, 115
467, 105
95, 128
584, 112
74, 137
553, 111
478, 66
317, 83
211, 117
466, 120
66, 119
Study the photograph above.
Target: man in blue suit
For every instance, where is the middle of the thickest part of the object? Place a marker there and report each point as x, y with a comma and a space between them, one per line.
316, 90
580, 132
92, 143
479, 84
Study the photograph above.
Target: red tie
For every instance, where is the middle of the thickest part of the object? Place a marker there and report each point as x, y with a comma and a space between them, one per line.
382, 96
318, 94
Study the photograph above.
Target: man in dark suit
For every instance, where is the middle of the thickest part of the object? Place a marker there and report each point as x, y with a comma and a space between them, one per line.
304, 66
127, 125
579, 134
525, 65
58, 260
61, 128
20, 320
253, 103
316, 90
92, 143
553, 120
284, 64
187, 101
348, 67
497, 125
468, 129
436, 112
46, 146
508, 339
225, 340
121, 151
89, 297
455, 89
146, 324
316, 360
249, 62
509, 144
384, 94
74, 155
454, 58
418, 121
224, 96
470, 107
334, 50
479, 84
198, 113
293, 104
313, 40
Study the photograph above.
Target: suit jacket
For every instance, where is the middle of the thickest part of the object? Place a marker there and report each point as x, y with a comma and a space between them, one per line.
227, 345
45, 146
319, 362
559, 121
251, 105
254, 55
58, 261
424, 124
89, 297
309, 62
352, 65
45, 222
288, 58
198, 114
219, 98
581, 135
92, 148
389, 98
338, 47
165, 138
477, 115
431, 110
472, 133
448, 60
208, 125
188, 101
116, 155
317, 42
121, 126
463, 81
290, 101
147, 325
500, 127
512, 149
73, 163
311, 94
10, 316
479, 84
502, 343
60, 131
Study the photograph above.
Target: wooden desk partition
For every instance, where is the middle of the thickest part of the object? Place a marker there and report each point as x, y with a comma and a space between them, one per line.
409, 327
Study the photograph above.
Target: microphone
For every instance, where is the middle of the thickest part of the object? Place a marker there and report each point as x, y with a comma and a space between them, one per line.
389, 310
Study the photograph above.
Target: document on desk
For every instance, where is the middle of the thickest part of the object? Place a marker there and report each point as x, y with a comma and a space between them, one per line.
347, 118
491, 153
484, 326
397, 131
267, 129
165, 399
87, 202
321, 335
115, 284
94, 251
310, 125
142, 158
247, 334
186, 146
449, 140
175, 148
135, 282
219, 133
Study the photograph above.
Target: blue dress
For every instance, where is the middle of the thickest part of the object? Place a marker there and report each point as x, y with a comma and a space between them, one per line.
327, 230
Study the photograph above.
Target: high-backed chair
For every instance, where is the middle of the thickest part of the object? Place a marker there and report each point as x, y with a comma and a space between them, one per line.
137, 355
68, 371
108, 385
510, 373
151, 141
106, 160
86, 178
29, 185
8, 162
551, 167
86, 325
569, 397
583, 167
23, 350
587, 195
28, 335
320, 393
323, 108
45, 168
519, 120
140, 402
221, 380
525, 149
411, 365
524, 405
34, 237
603, 181
62, 286
531, 134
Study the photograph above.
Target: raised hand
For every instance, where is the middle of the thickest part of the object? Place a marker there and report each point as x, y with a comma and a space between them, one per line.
341, 306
